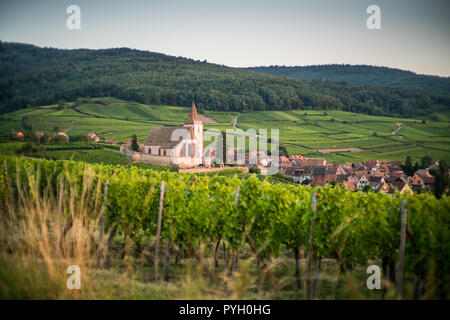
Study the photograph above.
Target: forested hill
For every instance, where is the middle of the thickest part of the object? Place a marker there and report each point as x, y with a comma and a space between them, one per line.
363, 75
31, 76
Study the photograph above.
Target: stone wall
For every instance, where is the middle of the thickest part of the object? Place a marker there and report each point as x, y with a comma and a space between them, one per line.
198, 170
186, 163
147, 158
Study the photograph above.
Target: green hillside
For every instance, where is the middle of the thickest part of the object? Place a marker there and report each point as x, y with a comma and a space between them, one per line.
363, 75
110, 118
301, 132
370, 137
33, 76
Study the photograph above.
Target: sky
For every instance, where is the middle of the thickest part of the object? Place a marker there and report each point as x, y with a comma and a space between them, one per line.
414, 35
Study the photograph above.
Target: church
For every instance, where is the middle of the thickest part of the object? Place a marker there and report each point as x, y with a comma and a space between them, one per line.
180, 146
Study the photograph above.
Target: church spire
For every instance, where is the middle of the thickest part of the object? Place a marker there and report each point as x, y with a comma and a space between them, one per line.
193, 116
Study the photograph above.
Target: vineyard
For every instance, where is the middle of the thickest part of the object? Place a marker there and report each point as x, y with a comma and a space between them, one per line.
82, 146
220, 221
304, 132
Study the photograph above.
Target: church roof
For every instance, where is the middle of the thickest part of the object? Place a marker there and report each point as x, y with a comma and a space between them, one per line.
161, 136
193, 116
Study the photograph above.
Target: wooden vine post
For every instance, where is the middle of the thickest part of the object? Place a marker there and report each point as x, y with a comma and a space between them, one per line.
101, 251
401, 263
310, 251
158, 231
102, 216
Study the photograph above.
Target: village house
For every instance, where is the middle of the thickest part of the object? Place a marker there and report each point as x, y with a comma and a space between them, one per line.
343, 170
62, 134
17, 134
299, 175
323, 175
424, 174
401, 185
297, 157
396, 174
358, 166
382, 187
416, 182
94, 137
111, 141
284, 161
376, 181
350, 185
378, 173
353, 177
380, 176
348, 167
312, 162
370, 164
362, 182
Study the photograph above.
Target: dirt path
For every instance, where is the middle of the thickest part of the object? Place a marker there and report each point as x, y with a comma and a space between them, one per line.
70, 128
235, 120
340, 150
399, 126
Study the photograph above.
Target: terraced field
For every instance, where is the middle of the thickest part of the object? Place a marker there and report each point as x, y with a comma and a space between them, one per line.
305, 132
301, 131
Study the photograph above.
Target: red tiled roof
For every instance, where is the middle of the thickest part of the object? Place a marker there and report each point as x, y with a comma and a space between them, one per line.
284, 159
313, 162
296, 157
350, 185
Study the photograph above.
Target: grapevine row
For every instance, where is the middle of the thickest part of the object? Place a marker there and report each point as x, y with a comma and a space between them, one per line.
352, 227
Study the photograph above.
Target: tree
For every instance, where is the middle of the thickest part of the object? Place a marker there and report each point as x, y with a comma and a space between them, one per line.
32, 82
408, 167
30, 137
80, 138
134, 143
306, 182
442, 180
224, 147
426, 161
44, 139
26, 123
367, 188
254, 170
61, 105
283, 151
79, 102
27, 148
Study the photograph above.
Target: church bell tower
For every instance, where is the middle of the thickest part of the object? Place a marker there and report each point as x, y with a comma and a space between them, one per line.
196, 124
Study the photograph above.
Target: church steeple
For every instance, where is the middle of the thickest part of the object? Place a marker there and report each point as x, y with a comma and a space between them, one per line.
193, 116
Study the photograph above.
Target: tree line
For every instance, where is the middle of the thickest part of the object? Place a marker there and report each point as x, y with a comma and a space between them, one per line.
362, 75
32, 76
